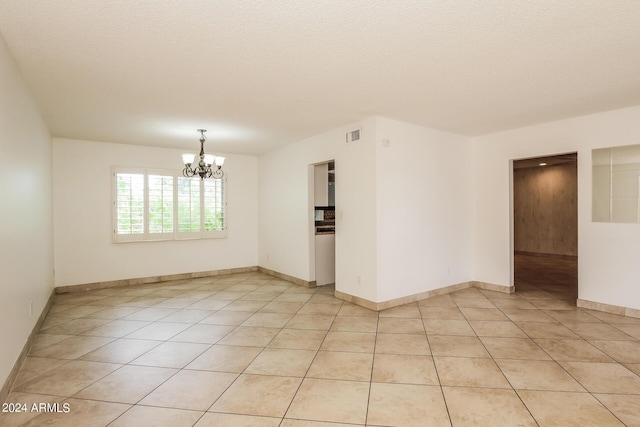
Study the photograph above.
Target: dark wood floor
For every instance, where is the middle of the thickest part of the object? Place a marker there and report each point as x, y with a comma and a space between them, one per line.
558, 276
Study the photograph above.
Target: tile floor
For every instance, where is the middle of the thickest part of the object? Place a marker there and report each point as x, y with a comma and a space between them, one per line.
251, 350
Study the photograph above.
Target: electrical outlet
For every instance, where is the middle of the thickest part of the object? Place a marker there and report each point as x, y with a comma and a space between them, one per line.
359, 280
30, 308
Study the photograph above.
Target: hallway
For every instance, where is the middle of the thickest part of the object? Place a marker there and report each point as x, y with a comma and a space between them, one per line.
553, 275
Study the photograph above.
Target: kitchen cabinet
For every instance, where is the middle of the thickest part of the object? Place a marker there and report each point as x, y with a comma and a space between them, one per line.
325, 259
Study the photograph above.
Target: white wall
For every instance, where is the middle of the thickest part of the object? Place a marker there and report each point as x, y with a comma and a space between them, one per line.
84, 252
286, 214
424, 209
607, 253
26, 230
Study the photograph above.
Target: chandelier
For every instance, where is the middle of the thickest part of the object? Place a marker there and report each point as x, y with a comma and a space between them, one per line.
208, 166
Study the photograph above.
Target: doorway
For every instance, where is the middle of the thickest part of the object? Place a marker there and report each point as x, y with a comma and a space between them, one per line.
545, 226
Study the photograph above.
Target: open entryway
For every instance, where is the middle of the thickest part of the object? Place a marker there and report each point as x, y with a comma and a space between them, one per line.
545, 226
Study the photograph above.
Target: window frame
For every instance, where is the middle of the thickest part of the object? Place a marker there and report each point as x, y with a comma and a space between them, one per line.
146, 235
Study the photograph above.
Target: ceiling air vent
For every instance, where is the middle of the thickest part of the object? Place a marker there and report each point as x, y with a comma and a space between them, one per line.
354, 135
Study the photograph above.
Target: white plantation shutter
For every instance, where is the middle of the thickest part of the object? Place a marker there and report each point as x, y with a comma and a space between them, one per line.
129, 206
162, 205
214, 205
160, 199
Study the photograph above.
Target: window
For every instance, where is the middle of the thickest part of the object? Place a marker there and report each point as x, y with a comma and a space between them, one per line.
162, 205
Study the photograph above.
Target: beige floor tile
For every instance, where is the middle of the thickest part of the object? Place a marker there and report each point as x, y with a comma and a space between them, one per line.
116, 328
149, 416
270, 395
113, 313
41, 341
437, 301
123, 350
349, 309
150, 314
128, 384
406, 405
68, 379
299, 339
260, 295
524, 315
187, 316
33, 367
268, 320
77, 311
398, 325
551, 409
572, 350
212, 419
251, 306
485, 407
496, 328
73, 347
51, 320
331, 400
471, 313
621, 351
538, 375
171, 355
307, 423
633, 367
283, 307
250, 336
476, 302
630, 329
470, 372
553, 304
177, 302
443, 313
224, 358
625, 407
210, 304
514, 348
517, 303
81, 413
282, 361
546, 330
320, 298
297, 298
409, 311
340, 365
24, 401
310, 321
573, 316
598, 331
202, 333
232, 318
443, 345
195, 390
614, 318
70, 327
323, 309
404, 368
355, 324
160, 331
349, 341
227, 295
416, 344
448, 327
604, 377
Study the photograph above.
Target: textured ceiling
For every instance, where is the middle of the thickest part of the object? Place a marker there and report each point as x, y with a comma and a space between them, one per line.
259, 74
